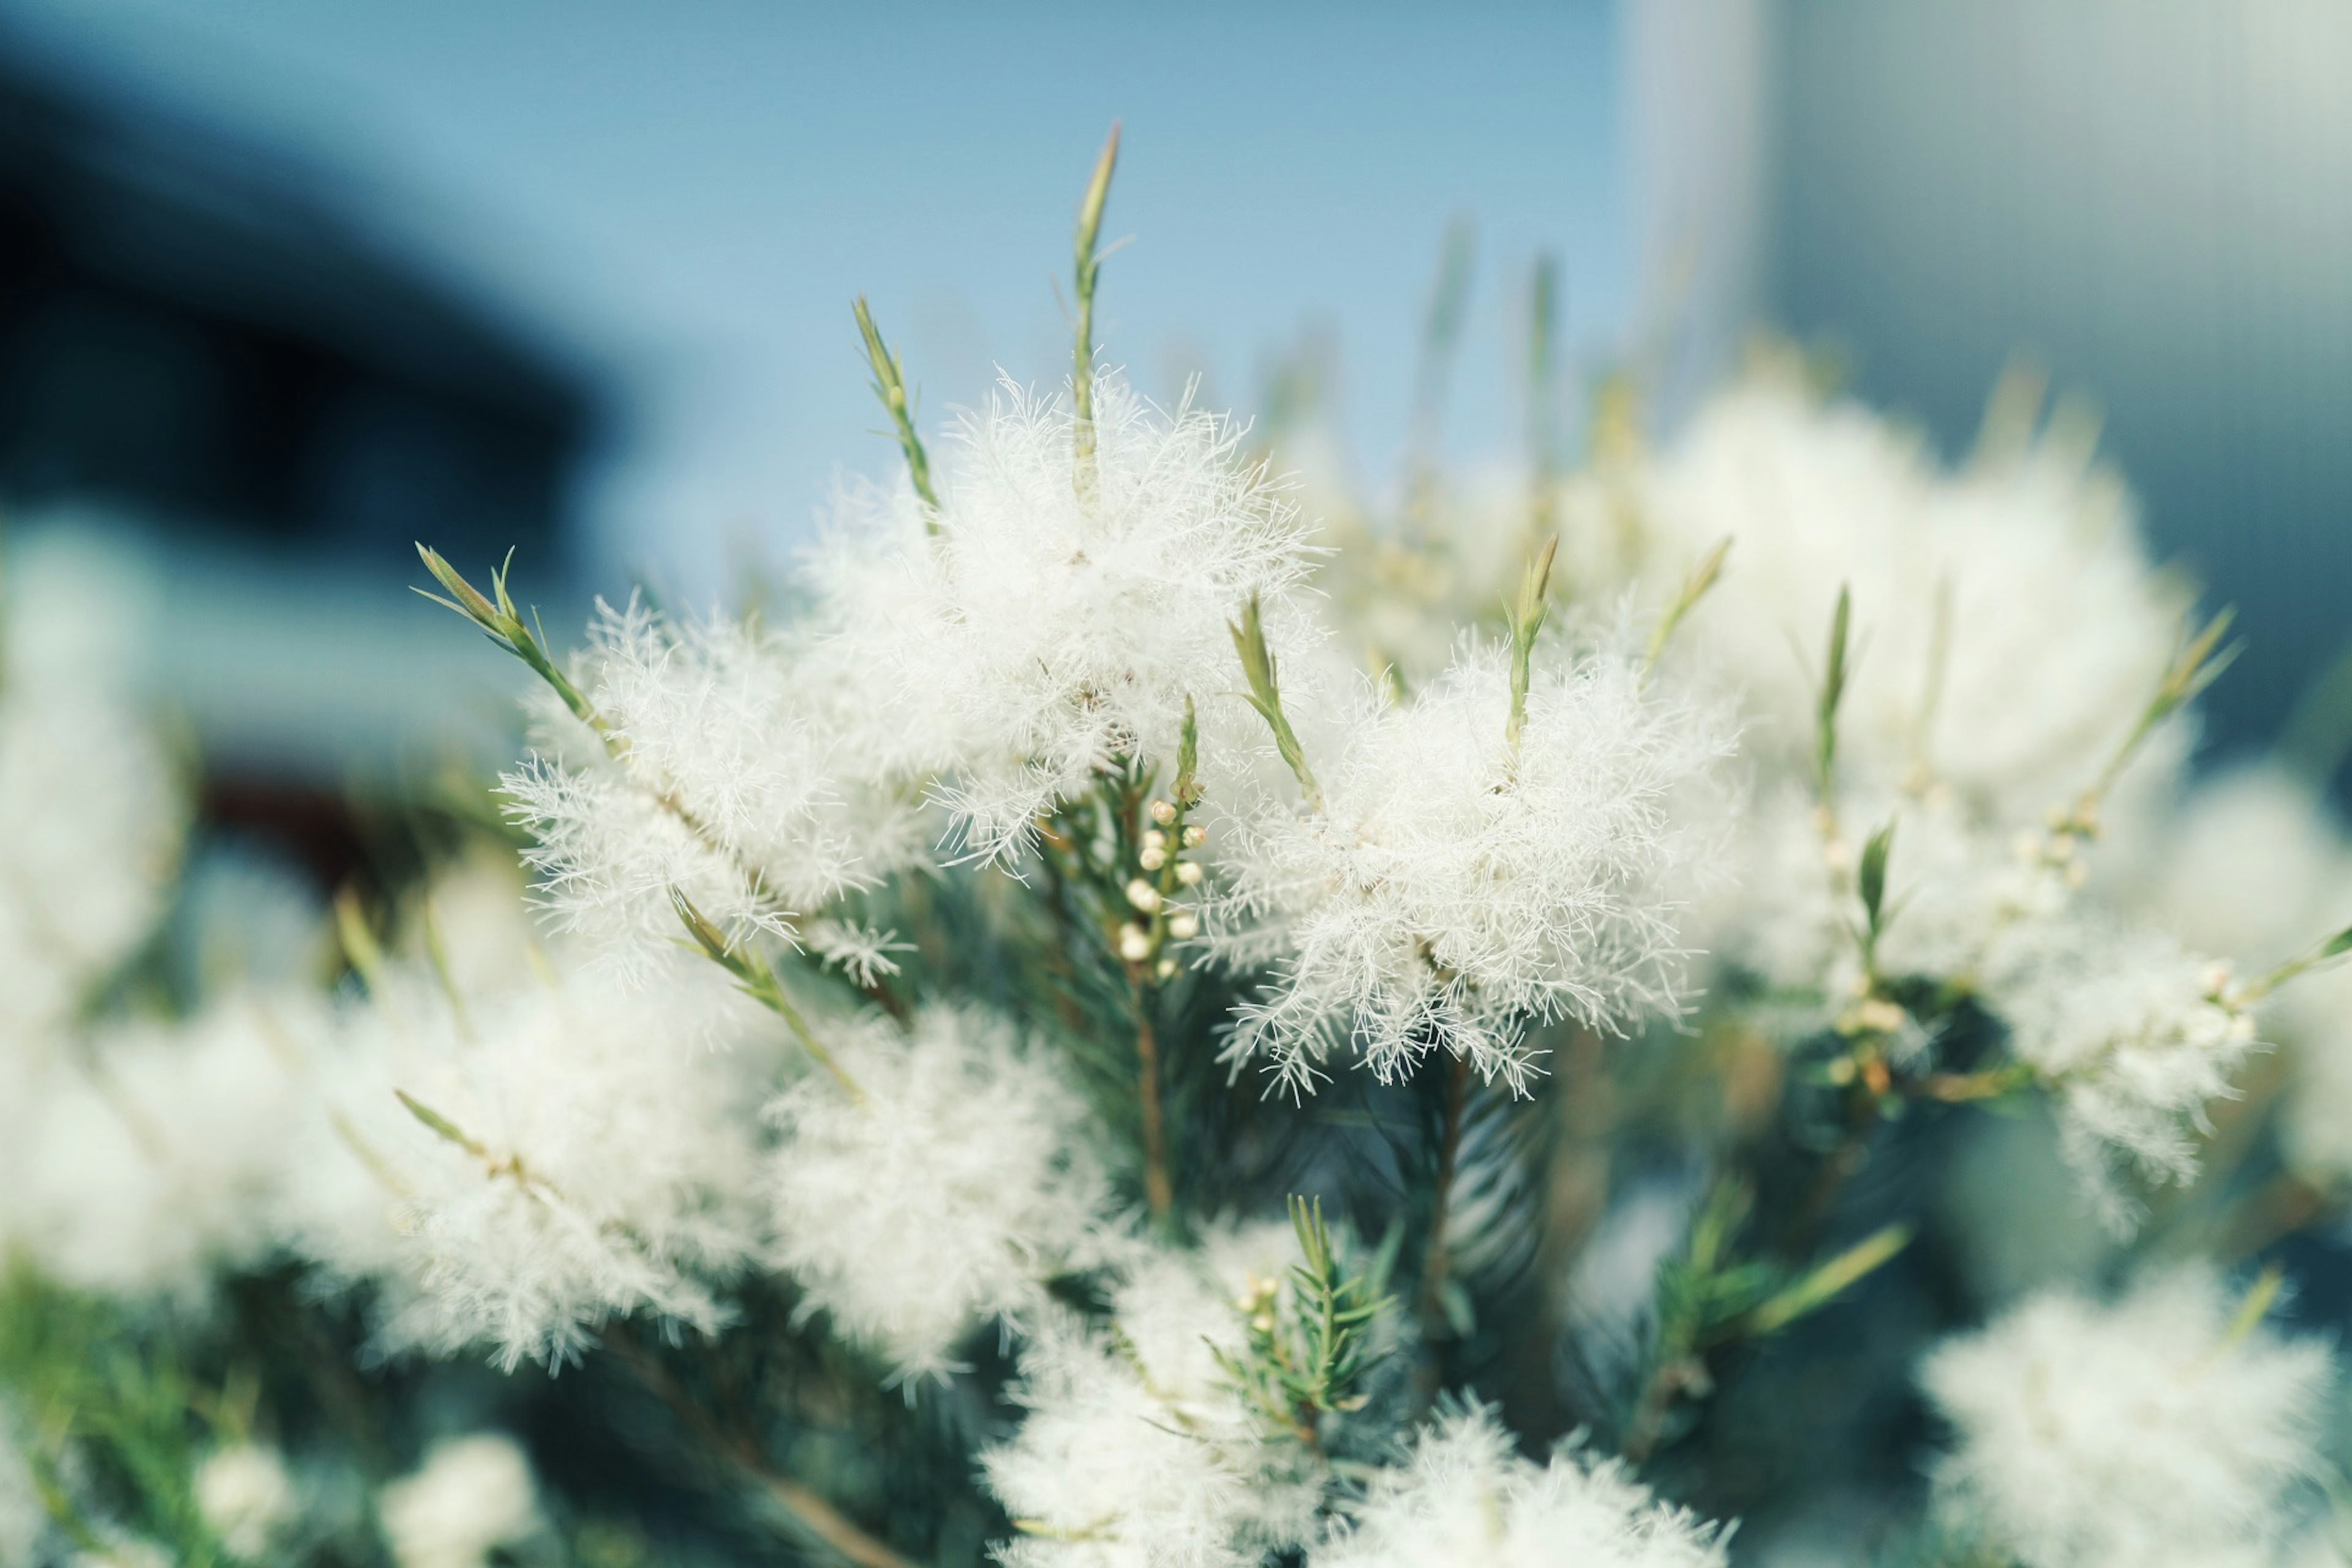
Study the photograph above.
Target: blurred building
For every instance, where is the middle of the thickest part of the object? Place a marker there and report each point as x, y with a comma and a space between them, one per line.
227, 409
2152, 204
191, 331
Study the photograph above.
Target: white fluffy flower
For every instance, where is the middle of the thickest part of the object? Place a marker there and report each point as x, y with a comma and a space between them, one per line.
561, 1159
472, 1496
2314, 1015
1455, 888
1041, 637
2253, 866
1955, 890
2093, 1436
947, 1192
2008, 627
93, 817
246, 1498
1136, 1451
727, 787
1465, 1496
2132, 1034
149, 1164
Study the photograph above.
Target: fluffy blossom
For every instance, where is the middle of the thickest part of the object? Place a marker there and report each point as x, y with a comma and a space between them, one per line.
2314, 1017
94, 818
1955, 891
522, 1170
956, 1181
2132, 1034
1466, 1496
1042, 636
1455, 887
150, 1162
2010, 628
726, 785
246, 1498
2255, 866
472, 1496
2151, 1429
1136, 1451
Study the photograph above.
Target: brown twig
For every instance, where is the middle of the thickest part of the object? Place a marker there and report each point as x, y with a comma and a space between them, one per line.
1159, 1190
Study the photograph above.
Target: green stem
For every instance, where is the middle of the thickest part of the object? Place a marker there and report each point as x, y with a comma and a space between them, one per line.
1088, 257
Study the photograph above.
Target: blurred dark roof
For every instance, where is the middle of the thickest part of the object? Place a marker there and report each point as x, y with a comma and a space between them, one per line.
204, 327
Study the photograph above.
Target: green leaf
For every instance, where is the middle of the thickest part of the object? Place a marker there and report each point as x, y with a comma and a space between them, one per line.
1833, 679
1824, 1283
1872, 874
438, 1123
1526, 622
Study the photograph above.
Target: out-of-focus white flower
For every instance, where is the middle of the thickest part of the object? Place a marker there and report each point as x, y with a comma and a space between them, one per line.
562, 1156
246, 1498
2151, 1429
94, 818
1406, 592
2133, 1035
2313, 1016
1136, 1451
2251, 866
149, 1164
1457, 888
1465, 1496
1955, 890
958, 1180
1040, 637
471, 1496
2009, 628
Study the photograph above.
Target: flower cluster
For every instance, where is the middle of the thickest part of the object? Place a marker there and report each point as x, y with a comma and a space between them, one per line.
1457, 883
1465, 1495
1139, 1448
2150, 1429
849, 1031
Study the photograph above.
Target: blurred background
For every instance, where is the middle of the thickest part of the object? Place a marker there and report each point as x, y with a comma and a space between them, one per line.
284, 285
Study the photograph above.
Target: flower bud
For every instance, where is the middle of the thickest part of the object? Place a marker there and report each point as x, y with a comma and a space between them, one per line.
1143, 895
1162, 812
1183, 925
1195, 835
1152, 857
1134, 943
1188, 873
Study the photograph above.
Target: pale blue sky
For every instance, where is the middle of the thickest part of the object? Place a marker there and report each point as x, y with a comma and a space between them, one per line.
689, 193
